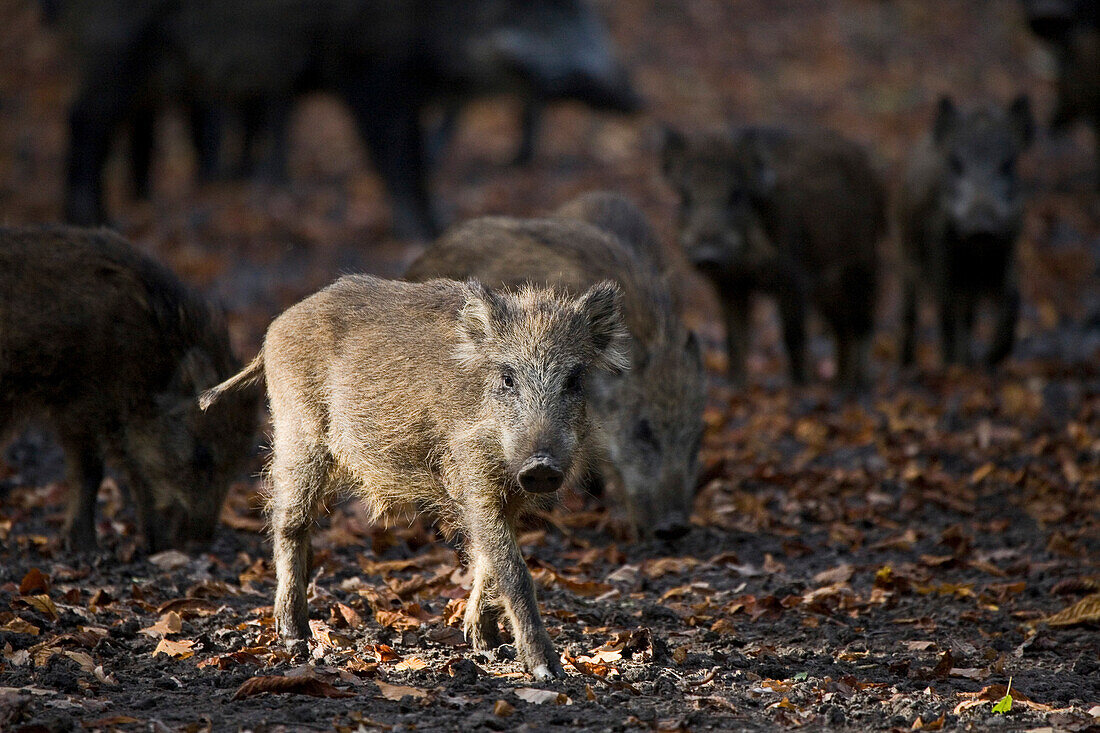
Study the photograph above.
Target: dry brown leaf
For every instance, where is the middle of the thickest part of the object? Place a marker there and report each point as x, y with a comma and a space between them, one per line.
304, 685
536, 696
169, 623
1085, 610
411, 663
35, 581
839, 574
397, 692
41, 603
180, 649
20, 626
503, 709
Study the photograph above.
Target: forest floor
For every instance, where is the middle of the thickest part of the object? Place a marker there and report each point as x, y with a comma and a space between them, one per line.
890, 562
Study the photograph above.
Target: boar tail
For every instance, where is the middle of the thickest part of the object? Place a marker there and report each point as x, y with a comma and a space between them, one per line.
247, 376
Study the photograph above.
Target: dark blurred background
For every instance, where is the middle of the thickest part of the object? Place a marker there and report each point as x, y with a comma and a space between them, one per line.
871, 69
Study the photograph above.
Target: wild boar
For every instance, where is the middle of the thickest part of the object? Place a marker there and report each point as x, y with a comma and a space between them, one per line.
111, 349
387, 61
1072, 30
959, 212
797, 215
649, 420
465, 401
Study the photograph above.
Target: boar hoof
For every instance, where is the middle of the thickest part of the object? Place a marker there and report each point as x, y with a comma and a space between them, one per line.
544, 672
298, 648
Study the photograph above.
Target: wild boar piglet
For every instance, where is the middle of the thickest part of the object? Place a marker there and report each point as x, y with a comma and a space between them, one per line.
461, 400
649, 420
111, 350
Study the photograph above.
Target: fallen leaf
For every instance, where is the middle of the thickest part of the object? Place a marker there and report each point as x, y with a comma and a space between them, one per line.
303, 685
169, 623
540, 697
169, 559
35, 581
397, 692
180, 649
1086, 609
503, 709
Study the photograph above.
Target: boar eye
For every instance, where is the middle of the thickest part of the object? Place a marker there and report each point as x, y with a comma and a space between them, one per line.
574, 381
1008, 168
507, 380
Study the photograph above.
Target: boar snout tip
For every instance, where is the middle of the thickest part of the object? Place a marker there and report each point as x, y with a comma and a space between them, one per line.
540, 475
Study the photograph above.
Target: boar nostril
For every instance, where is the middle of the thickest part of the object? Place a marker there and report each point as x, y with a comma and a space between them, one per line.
540, 476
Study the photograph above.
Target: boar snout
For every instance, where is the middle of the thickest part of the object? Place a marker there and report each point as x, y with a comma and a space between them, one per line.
541, 474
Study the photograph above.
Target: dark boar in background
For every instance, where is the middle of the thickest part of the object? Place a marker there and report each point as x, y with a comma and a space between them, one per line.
1072, 30
111, 350
649, 419
385, 60
959, 211
465, 401
794, 215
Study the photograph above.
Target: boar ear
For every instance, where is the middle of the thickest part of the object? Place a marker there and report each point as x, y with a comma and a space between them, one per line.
673, 147
1023, 122
601, 307
481, 316
947, 115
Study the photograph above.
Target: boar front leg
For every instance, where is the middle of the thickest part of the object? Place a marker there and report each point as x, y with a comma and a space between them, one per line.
298, 483
86, 472
792, 312
735, 308
481, 621
493, 545
1004, 337
909, 322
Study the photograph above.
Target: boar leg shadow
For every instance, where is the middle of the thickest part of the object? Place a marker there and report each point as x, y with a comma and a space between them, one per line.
493, 546
300, 479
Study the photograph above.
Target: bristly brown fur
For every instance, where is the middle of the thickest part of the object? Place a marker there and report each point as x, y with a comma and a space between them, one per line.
441, 395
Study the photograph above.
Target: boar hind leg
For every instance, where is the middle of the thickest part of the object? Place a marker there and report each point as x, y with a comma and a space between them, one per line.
482, 612
792, 311
909, 323
853, 357
86, 475
1004, 337
735, 307
299, 481
493, 544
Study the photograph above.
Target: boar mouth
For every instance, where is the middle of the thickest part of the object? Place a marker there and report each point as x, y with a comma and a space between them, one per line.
540, 475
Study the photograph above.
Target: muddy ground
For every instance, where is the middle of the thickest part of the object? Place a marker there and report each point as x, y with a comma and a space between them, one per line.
885, 563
